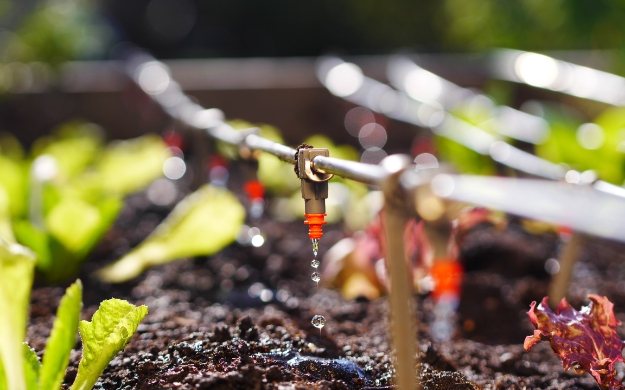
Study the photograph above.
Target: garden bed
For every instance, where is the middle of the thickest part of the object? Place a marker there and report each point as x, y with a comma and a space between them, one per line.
208, 326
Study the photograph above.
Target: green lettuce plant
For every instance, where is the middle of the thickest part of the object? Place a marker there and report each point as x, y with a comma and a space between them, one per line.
203, 223
110, 329
70, 210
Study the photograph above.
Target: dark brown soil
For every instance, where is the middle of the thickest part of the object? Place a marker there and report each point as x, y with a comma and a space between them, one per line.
205, 331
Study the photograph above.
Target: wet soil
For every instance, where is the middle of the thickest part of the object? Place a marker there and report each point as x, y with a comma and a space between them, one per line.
241, 319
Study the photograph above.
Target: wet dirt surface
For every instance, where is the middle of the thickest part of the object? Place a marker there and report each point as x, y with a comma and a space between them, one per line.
208, 326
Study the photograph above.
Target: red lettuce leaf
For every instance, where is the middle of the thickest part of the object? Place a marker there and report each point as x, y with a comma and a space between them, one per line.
586, 339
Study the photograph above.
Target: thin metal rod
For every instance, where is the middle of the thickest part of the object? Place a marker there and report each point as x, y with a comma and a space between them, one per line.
568, 78
183, 109
364, 173
284, 153
581, 208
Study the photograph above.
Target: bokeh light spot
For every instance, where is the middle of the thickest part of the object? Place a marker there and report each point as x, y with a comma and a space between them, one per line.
590, 136
344, 79
537, 70
153, 78
372, 135
423, 85
356, 118
174, 168
373, 156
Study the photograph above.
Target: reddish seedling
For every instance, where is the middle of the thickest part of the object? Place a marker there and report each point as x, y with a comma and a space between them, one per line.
585, 340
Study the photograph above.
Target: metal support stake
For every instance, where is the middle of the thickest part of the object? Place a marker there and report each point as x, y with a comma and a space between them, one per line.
402, 318
568, 257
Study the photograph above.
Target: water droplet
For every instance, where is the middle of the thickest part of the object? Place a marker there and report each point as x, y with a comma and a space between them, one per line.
318, 321
316, 277
315, 263
315, 246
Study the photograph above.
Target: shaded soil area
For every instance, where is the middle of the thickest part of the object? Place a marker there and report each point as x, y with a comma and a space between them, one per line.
241, 319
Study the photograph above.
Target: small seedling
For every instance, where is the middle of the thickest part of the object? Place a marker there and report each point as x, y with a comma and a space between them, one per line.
76, 189
110, 329
585, 340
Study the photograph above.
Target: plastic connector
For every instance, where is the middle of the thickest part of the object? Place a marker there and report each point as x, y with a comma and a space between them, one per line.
315, 222
447, 275
254, 189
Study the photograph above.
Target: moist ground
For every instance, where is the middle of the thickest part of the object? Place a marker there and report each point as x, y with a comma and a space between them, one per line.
205, 330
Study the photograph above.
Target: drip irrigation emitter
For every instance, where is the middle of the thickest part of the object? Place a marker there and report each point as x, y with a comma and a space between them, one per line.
446, 272
314, 186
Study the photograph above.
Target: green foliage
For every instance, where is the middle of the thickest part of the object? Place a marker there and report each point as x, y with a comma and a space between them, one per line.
345, 152
128, 166
72, 228
112, 326
13, 179
16, 278
57, 31
608, 160
201, 224
463, 158
576, 24
32, 367
74, 146
62, 339
68, 214
109, 331
6, 233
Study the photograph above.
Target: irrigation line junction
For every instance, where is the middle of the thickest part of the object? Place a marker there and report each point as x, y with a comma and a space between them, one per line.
581, 208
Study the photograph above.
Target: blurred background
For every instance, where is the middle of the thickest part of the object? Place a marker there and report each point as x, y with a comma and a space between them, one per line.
57, 30
271, 47
256, 61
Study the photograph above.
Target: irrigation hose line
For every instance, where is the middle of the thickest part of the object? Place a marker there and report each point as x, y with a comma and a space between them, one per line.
176, 104
603, 206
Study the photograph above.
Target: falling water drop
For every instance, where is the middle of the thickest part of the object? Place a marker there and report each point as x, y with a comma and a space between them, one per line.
314, 263
318, 321
316, 277
315, 246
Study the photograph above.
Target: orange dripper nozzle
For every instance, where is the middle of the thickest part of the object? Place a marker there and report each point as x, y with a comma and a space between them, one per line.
315, 222
447, 277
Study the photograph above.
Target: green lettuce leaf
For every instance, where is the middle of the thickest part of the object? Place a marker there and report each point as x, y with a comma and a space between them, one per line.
201, 224
110, 329
73, 222
74, 146
74, 227
128, 166
13, 179
17, 264
62, 339
6, 232
32, 366
36, 239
